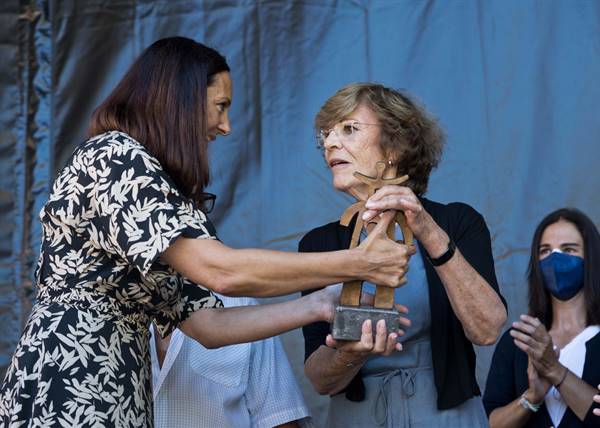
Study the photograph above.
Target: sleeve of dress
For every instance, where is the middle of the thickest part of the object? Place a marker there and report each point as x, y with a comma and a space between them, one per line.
136, 211
475, 244
272, 395
188, 298
500, 388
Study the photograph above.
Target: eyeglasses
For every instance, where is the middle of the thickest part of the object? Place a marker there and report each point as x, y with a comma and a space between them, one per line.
346, 130
208, 202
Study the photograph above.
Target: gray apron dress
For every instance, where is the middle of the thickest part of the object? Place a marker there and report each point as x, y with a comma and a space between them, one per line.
400, 389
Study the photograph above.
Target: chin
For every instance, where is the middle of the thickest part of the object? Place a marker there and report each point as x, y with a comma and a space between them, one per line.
342, 185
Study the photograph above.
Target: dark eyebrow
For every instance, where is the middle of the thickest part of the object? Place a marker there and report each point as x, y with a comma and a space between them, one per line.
570, 244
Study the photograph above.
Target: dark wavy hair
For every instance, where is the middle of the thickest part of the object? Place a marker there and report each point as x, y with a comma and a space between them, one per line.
539, 297
161, 102
408, 133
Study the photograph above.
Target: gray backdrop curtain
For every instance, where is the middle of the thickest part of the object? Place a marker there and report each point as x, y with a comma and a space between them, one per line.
513, 82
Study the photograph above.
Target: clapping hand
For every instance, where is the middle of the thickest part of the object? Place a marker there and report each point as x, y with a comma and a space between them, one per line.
531, 337
538, 386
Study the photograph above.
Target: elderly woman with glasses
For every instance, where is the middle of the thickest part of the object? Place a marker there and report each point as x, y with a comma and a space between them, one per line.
451, 288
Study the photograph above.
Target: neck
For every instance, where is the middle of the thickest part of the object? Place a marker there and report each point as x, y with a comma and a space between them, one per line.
360, 193
569, 315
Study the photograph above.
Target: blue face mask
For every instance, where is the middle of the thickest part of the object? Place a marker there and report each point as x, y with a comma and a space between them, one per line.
563, 274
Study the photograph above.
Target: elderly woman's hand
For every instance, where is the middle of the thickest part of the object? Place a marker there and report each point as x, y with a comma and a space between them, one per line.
387, 260
401, 198
531, 336
356, 352
597, 400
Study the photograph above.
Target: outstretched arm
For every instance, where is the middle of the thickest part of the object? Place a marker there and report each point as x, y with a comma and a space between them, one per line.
218, 327
260, 273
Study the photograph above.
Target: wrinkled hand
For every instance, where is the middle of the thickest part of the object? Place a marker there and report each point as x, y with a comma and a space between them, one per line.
538, 386
400, 198
597, 400
387, 260
381, 344
531, 336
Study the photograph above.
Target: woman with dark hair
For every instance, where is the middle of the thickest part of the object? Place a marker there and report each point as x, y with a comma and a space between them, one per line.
544, 368
126, 241
452, 292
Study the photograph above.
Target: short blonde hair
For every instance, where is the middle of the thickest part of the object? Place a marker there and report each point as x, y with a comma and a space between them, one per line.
409, 135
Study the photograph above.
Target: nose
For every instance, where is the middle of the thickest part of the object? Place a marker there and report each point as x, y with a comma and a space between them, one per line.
332, 141
224, 127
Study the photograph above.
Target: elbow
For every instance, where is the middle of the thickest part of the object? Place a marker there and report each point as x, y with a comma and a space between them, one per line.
324, 391
484, 340
211, 344
321, 388
222, 286
227, 285
489, 334
207, 340
316, 381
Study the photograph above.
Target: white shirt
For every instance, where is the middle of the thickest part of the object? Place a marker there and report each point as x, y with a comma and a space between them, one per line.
572, 356
245, 385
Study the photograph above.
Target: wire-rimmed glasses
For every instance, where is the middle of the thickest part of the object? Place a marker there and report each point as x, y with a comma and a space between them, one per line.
346, 130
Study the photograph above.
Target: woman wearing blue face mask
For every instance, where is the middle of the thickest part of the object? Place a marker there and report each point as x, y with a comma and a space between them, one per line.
545, 368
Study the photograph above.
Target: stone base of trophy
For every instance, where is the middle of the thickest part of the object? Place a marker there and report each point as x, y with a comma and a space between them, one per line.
348, 321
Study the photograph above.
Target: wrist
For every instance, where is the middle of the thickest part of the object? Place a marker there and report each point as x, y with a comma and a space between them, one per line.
320, 309
558, 376
359, 263
528, 405
533, 398
435, 242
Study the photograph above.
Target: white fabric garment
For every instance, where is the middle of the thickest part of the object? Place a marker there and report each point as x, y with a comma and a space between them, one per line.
572, 356
245, 385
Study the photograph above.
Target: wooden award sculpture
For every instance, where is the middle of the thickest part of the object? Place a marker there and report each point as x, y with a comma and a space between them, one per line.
350, 315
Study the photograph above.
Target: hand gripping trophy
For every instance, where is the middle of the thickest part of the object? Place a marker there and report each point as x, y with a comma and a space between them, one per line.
350, 314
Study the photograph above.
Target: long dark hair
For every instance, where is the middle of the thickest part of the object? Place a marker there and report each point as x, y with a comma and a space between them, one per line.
539, 297
161, 102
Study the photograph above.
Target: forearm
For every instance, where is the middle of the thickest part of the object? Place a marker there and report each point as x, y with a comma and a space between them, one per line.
260, 273
576, 393
331, 370
218, 327
513, 415
264, 273
474, 301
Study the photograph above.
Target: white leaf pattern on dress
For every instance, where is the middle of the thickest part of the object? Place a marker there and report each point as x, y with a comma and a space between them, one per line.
83, 357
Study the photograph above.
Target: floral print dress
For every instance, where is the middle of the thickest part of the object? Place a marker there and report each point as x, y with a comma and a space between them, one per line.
83, 358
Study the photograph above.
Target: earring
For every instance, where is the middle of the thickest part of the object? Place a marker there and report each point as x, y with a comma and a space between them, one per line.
390, 163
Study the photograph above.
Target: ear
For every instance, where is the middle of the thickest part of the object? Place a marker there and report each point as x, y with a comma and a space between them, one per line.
391, 166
